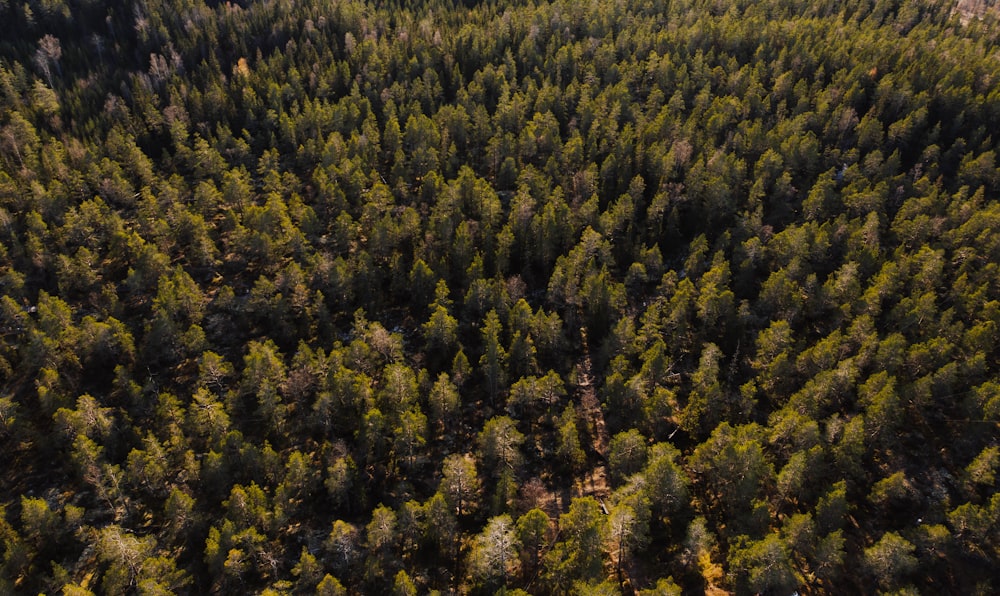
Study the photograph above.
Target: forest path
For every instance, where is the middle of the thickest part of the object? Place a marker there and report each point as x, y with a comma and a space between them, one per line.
595, 480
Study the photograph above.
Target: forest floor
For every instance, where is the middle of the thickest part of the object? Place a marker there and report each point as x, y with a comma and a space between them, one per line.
595, 480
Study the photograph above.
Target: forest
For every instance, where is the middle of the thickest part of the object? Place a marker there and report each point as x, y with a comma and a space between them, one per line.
545, 297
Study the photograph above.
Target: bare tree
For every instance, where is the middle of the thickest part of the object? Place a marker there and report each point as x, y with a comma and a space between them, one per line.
47, 55
495, 550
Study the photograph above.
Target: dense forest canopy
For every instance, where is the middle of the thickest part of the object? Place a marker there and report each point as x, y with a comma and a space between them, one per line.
332, 296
